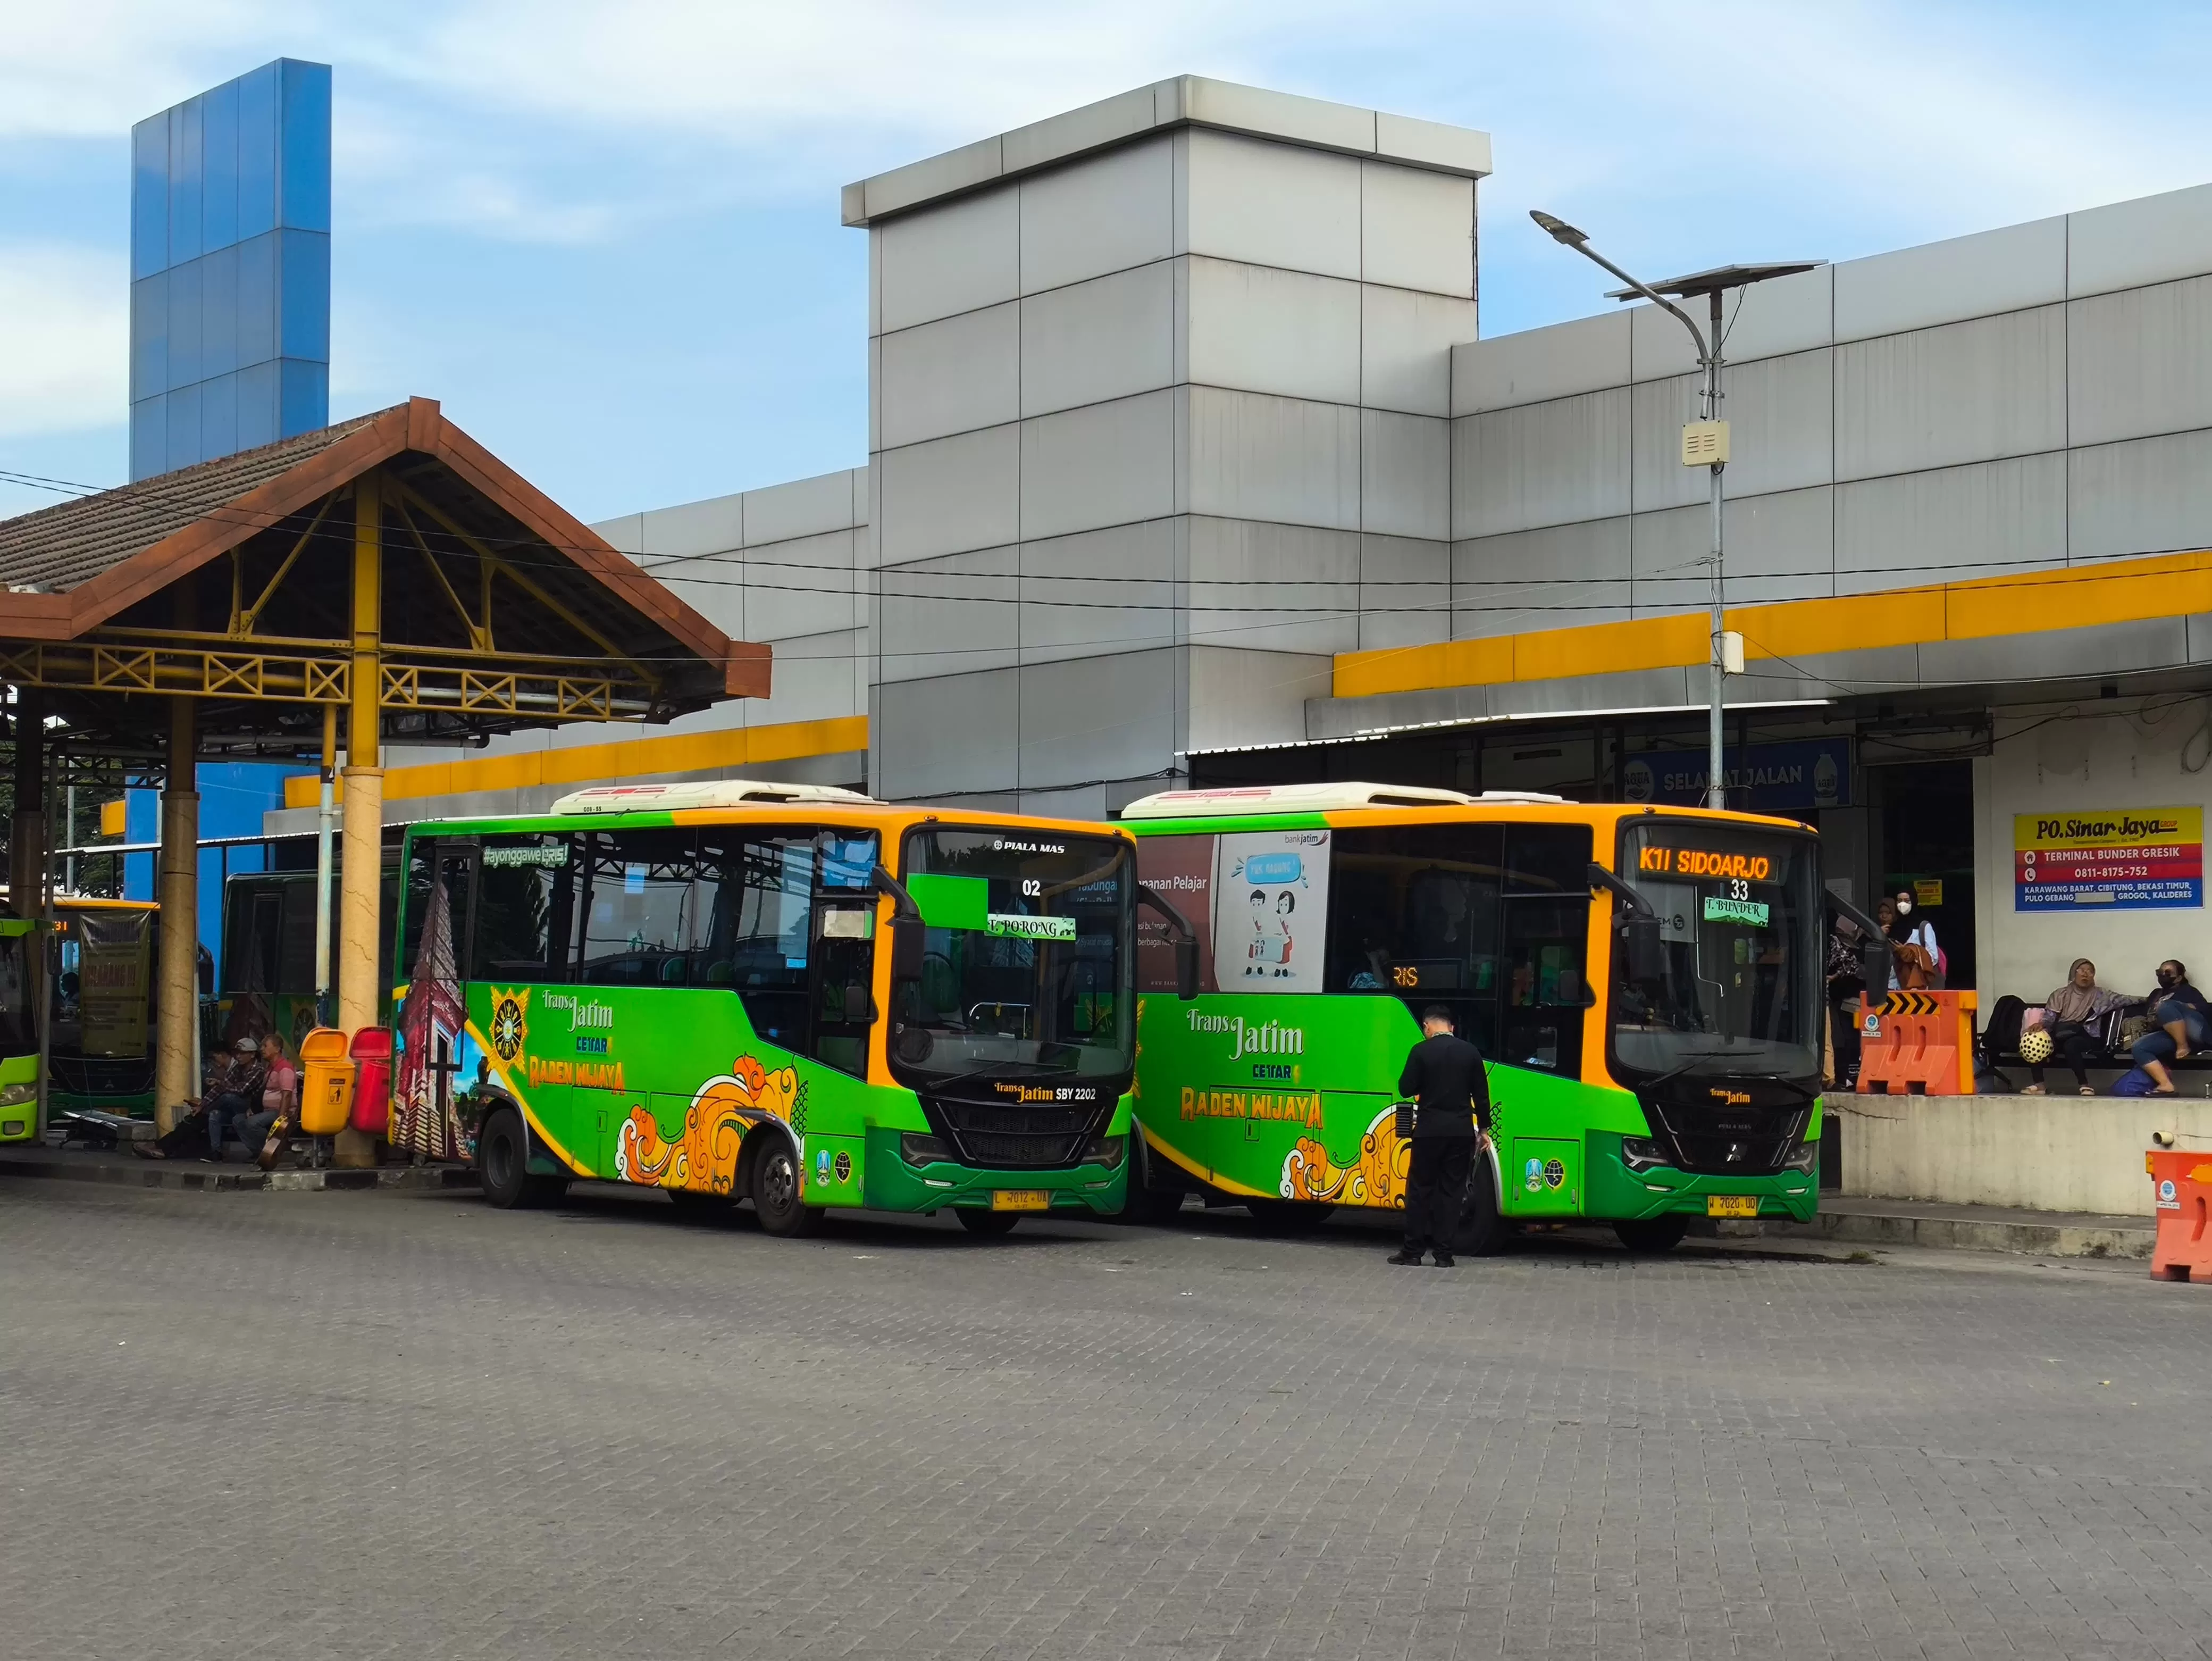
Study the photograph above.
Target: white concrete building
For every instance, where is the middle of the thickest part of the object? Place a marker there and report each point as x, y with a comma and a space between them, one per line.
1186, 458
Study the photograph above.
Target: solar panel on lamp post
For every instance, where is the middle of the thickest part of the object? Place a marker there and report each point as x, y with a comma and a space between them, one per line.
1705, 442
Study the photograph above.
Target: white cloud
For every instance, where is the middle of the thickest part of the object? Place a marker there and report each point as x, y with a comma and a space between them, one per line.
65, 337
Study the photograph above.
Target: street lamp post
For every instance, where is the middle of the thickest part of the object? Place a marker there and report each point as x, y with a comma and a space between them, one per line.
1705, 442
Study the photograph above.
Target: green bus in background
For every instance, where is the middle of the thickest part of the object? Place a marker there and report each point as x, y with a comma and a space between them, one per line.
1644, 984
680, 987
19, 1034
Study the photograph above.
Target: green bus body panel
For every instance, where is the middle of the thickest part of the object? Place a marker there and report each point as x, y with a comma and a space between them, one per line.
19, 1073
1290, 1096
661, 1086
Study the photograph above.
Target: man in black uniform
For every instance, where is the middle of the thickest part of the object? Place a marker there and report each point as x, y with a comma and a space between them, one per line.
1444, 1074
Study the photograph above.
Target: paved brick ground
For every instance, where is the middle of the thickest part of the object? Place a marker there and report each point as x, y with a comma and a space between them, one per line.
358, 1424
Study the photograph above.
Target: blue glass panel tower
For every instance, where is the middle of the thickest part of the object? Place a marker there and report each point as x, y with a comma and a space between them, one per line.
230, 268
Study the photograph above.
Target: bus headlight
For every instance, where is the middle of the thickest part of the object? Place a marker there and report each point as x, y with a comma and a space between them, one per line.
1107, 1151
1641, 1152
16, 1095
1806, 1156
924, 1150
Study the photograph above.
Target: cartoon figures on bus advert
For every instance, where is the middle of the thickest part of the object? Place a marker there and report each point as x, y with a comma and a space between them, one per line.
1283, 878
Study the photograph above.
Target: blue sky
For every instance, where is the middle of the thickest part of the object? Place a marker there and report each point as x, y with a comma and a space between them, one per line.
606, 234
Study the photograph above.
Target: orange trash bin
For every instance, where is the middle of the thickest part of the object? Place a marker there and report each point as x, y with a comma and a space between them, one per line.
325, 1082
2181, 1188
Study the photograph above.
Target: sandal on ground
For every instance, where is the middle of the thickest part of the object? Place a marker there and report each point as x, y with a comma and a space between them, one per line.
2089, 1090
2031, 1090
147, 1151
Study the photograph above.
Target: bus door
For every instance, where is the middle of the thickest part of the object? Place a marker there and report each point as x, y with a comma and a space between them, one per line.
841, 976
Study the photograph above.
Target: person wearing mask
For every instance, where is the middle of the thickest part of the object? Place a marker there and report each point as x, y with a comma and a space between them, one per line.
2183, 1023
1444, 1076
2067, 1014
1913, 952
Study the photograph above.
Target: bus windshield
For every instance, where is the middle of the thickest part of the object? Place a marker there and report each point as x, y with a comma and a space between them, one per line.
1026, 967
1733, 983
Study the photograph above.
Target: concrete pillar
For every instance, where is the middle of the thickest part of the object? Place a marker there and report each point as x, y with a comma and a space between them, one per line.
362, 868
26, 832
177, 886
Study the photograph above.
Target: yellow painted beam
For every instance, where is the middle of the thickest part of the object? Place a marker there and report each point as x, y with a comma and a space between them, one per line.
593, 764
2120, 591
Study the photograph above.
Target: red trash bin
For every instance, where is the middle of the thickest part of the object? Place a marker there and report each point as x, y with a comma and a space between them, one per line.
371, 1082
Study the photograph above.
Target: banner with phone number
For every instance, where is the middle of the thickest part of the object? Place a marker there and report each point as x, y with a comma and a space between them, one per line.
2127, 859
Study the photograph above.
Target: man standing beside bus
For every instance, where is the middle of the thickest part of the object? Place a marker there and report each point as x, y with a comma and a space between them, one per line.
1443, 1075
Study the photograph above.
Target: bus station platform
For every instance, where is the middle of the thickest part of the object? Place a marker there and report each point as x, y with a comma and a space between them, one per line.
122, 1167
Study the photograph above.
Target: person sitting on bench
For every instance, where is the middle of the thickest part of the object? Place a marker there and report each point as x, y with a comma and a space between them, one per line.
2183, 1024
2067, 1014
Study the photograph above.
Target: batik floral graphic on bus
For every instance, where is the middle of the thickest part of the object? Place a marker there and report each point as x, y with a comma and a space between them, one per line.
704, 1156
432, 1020
1376, 1177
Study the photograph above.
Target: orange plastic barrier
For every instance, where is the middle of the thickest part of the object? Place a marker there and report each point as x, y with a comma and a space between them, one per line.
1917, 1043
2181, 1186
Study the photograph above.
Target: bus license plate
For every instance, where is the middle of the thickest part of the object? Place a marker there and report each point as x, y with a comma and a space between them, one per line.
1020, 1198
1731, 1205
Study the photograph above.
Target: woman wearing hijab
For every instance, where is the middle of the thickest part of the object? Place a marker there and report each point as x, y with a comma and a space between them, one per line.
1912, 950
2067, 1014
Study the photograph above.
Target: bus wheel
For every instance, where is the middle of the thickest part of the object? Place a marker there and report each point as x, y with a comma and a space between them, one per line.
503, 1162
1288, 1216
1149, 1207
1649, 1236
776, 1193
989, 1223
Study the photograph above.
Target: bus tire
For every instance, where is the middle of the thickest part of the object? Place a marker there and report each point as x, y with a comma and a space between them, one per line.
503, 1161
1143, 1204
775, 1192
1482, 1232
1650, 1236
988, 1224
1289, 1216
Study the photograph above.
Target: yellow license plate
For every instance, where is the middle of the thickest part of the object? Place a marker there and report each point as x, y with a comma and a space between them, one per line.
1731, 1205
1020, 1198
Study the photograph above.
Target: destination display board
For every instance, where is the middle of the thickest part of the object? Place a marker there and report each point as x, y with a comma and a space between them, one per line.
2126, 859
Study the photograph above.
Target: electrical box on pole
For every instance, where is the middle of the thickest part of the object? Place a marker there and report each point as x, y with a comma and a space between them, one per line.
1704, 443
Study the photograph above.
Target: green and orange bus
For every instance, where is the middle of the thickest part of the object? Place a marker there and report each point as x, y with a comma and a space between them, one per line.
1645, 984
680, 986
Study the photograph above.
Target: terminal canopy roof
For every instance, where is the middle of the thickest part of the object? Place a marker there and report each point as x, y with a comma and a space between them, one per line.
233, 582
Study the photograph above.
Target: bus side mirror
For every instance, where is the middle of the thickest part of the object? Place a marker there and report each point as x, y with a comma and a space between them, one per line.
1875, 965
908, 937
1644, 952
909, 932
1180, 933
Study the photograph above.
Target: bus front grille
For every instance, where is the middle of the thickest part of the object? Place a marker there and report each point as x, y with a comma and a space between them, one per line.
1008, 1137
1740, 1142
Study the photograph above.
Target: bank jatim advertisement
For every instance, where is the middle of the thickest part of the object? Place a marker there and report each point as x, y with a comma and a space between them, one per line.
2124, 859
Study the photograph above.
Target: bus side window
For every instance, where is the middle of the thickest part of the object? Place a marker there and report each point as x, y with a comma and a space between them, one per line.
517, 905
1180, 869
1413, 915
636, 930
1545, 930
760, 926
